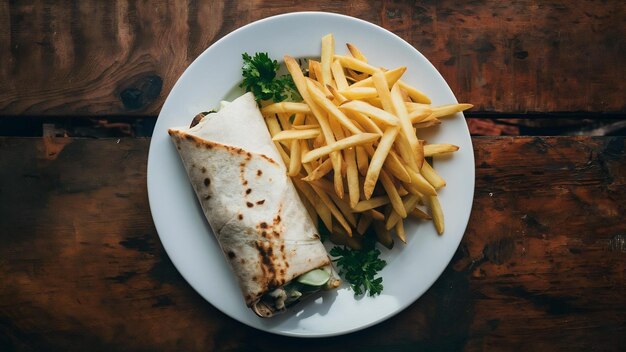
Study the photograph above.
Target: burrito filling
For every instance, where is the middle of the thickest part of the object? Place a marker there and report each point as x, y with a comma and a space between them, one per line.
292, 292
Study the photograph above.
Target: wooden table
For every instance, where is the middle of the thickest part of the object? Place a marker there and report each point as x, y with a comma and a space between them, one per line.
542, 263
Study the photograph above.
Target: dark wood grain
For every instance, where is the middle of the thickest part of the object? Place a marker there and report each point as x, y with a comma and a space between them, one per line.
122, 58
541, 266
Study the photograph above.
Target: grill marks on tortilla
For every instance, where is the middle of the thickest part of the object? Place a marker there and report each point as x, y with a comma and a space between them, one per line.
272, 254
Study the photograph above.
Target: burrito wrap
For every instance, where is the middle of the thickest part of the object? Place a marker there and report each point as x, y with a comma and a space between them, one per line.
249, 201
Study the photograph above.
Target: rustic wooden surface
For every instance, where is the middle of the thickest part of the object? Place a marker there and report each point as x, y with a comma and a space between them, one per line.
541, 266
86, 58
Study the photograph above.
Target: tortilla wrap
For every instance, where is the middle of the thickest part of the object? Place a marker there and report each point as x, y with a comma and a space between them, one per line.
249, 201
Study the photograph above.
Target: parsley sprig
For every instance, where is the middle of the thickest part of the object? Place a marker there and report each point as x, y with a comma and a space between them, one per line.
260, 77
359, 268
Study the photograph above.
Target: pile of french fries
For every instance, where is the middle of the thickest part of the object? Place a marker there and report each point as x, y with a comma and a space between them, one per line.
352, 148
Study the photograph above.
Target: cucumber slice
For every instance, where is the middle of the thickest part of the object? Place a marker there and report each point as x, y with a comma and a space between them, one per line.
315, 277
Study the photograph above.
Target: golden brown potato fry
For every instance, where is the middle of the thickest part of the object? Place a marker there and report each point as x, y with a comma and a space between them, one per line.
321, 209
376, 215
420, 183
435, 149
432, 177
320, 98
392, 76
409, 202
304, 127
344, 207
339, 75
354, 64
348, 142
416, 95
296, 134
285, 108
363, 122
371, 203
407, 128
380, 83
359, 93
328, 51
378, 159
325, 198
448, 110
320, 171
356, 53
352, 176
392, 193
338, 98
361, 160
294, 162
437, 213
400, 231
375, 113
417, 213
419, 115
426, 124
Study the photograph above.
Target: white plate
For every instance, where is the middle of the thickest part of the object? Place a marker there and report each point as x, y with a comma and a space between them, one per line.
186, 236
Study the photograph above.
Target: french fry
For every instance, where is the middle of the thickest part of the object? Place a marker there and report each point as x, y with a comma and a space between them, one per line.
356, 53
320, 171
400, 231
344, 207
320, 98
447, 110
296, 134
426, 124
375, 113
380, 83
417, 213
437, 213
285, 108
419, 115
337, 96
328, 51
378, 159
392, 76
352, 176
341, 238
363, 122
409, 202
348, 142
325, 198
321, 209
359, 93
435, 149
304, 127
392, 193
355, 64
376, 215
369, 204
361, 160
432, 177
407, 129
295, 163
339, 75
416, 95
420, 183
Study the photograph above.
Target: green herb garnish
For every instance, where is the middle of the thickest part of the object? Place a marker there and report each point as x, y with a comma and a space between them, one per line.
359, 268
259, 77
